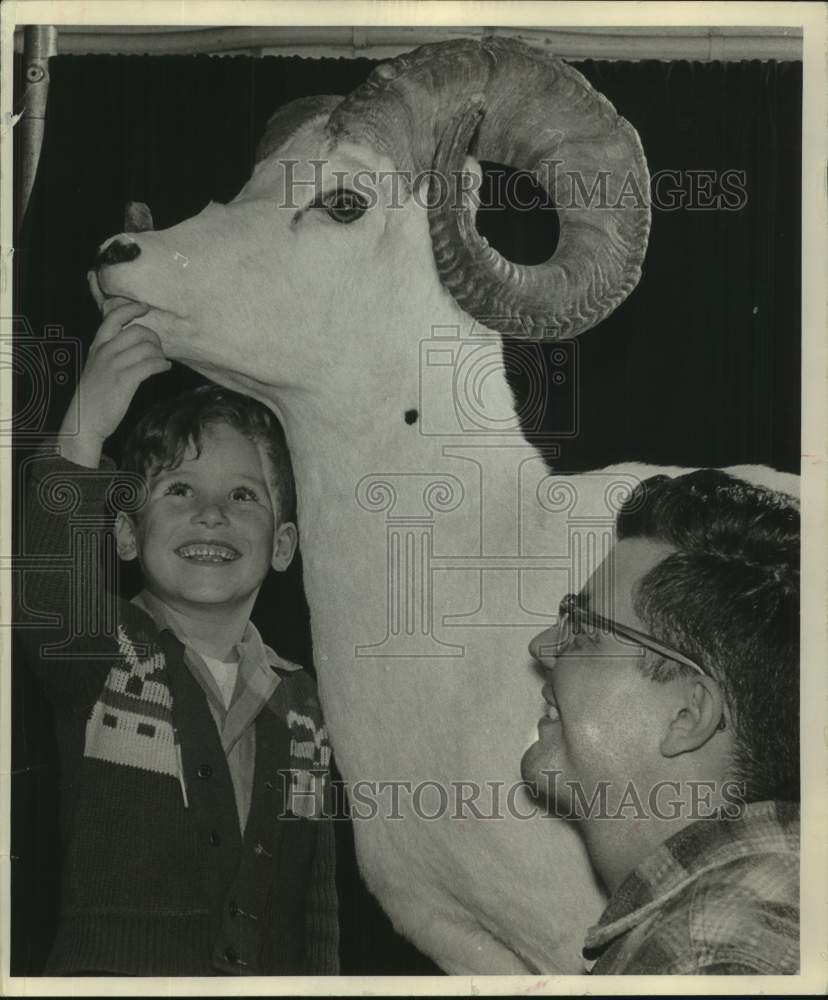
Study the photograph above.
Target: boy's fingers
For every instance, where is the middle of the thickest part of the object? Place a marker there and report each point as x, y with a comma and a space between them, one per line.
119, 317
141, 370
134, 334
144, 333
142, 351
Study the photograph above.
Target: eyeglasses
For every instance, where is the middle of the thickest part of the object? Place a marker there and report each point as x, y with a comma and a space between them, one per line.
573, 618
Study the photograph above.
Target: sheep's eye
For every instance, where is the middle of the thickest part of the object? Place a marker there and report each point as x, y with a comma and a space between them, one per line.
344, 205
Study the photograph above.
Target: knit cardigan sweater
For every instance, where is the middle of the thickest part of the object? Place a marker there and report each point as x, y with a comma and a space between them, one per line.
157, 878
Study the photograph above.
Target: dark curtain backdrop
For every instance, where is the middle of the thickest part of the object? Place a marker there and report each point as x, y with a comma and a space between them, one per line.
699, 367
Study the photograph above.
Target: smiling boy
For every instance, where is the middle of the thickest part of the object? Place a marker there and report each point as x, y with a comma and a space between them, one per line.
194, 760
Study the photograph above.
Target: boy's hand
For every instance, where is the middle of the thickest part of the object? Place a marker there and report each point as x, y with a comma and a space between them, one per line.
119, 360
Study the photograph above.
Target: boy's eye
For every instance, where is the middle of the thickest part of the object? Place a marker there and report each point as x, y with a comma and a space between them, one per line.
244, 493
178, 489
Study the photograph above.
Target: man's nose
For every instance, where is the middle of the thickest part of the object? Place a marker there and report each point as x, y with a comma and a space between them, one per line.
539, 645
210, 512
546, 646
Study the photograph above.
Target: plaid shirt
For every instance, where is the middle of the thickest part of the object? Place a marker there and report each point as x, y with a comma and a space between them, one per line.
719, 897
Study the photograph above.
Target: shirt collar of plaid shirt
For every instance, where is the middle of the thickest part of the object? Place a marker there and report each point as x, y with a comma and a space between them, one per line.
699, 848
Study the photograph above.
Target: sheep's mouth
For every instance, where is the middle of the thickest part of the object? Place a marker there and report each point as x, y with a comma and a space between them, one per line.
104, 301
111, 302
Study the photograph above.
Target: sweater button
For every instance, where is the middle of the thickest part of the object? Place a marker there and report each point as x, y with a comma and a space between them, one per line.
234, 910
214, 838
204, 771
231, 955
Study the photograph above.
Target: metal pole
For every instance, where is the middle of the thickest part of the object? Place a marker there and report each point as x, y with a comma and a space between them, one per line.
783, 43
40, 44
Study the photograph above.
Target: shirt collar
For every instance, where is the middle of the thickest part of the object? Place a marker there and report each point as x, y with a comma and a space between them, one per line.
260, 672
251, 639
701, 846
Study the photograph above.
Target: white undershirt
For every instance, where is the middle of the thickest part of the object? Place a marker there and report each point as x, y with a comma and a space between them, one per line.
224, 674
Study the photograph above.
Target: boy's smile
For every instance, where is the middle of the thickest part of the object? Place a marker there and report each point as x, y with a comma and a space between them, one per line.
209, 532
208, 552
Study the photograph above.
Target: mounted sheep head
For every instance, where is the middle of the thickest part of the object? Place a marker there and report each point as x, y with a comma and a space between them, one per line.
328, 220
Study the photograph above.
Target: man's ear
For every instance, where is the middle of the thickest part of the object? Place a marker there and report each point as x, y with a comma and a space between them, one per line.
284, 546
125, 537
698, 716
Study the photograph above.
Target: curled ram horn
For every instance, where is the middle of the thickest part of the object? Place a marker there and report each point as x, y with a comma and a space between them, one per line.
504, 101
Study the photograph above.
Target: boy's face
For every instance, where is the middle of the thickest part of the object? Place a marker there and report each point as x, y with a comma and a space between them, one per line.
209, 532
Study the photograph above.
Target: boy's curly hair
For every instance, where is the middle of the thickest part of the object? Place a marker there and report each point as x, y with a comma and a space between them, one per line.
729, 597
161, 437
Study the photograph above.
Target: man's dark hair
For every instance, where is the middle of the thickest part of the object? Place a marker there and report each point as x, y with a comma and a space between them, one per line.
161, 437
728, 597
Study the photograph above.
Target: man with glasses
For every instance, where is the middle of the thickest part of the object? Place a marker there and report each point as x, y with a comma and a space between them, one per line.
672, 730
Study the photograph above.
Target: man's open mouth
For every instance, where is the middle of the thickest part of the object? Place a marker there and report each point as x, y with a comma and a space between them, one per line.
209, 552
552, 711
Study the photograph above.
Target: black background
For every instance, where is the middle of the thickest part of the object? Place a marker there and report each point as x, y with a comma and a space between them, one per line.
700, 366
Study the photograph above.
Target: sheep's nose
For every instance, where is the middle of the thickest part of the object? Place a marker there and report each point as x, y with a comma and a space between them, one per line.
118, 250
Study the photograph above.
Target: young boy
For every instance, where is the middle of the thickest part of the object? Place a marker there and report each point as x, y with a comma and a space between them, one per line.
193, 758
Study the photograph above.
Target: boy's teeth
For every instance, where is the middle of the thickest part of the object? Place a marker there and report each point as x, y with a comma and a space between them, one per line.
210, 553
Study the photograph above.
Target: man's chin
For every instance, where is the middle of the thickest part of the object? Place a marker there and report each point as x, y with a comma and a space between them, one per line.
527, 763
536, 765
